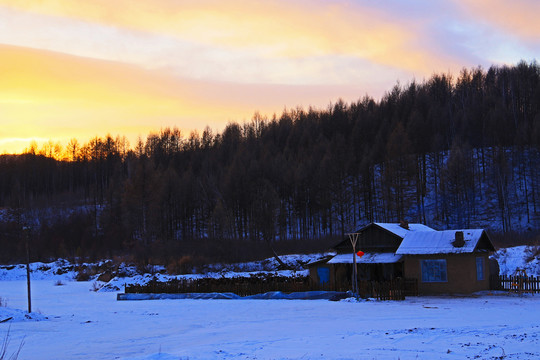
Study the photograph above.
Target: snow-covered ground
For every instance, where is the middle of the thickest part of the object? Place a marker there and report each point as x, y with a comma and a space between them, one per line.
82, 324
71, 322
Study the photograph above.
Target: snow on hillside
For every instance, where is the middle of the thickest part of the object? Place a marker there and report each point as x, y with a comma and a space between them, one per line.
519, 257
266, 266
62, 270
510, 259
296, 261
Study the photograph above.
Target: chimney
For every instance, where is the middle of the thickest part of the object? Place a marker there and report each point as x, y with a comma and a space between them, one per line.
459, 240
404, 224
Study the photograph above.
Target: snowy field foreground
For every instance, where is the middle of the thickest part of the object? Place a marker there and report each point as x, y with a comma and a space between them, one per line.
75, 323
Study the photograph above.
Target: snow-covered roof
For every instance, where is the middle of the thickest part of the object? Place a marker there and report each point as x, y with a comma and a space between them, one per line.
438, 242
400, 231
368, 258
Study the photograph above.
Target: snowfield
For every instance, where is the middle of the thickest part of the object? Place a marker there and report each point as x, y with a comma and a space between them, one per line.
71, 322
82, 324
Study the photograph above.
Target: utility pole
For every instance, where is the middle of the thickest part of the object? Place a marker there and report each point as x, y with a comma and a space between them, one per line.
26, 230
353, 237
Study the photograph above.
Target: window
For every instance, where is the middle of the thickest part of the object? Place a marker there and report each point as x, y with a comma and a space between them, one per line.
479, 268
324, 275
433, 270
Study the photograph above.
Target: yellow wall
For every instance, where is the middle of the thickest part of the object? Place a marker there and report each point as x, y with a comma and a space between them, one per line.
461, 273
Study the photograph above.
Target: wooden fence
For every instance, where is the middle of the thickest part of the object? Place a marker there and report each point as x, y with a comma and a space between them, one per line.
395, 289
519, 284
242, 286
245, 286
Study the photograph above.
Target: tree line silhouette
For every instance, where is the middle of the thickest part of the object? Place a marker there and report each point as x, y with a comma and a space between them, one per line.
447, 152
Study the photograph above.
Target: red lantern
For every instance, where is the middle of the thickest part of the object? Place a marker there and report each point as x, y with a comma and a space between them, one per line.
360, 253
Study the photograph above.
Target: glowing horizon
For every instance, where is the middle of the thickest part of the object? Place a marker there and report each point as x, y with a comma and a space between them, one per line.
74, 69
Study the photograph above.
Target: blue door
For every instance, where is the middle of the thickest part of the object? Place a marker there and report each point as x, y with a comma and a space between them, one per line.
324, 275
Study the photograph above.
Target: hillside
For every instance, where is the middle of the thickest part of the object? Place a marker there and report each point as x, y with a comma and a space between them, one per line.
450, 152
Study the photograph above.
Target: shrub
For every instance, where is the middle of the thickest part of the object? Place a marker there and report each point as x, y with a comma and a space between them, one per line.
83, 275
184, 265
96, 286
105, 277
531, 253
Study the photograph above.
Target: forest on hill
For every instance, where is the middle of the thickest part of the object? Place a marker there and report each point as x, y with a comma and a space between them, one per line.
454, 151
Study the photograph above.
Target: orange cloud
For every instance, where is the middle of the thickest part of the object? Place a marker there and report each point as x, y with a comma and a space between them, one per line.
268, 28
48, 95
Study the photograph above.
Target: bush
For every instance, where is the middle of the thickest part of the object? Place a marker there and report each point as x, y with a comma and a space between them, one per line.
96, 286
83, 274
184, 265
532, 253
106, 276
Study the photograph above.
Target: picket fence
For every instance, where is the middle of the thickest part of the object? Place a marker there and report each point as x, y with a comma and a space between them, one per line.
519, 284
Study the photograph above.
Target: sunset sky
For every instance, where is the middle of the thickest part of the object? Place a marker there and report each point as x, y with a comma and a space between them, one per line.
80, 69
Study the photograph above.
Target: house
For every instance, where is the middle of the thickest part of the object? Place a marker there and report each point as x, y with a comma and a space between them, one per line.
379, 242
450, 261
